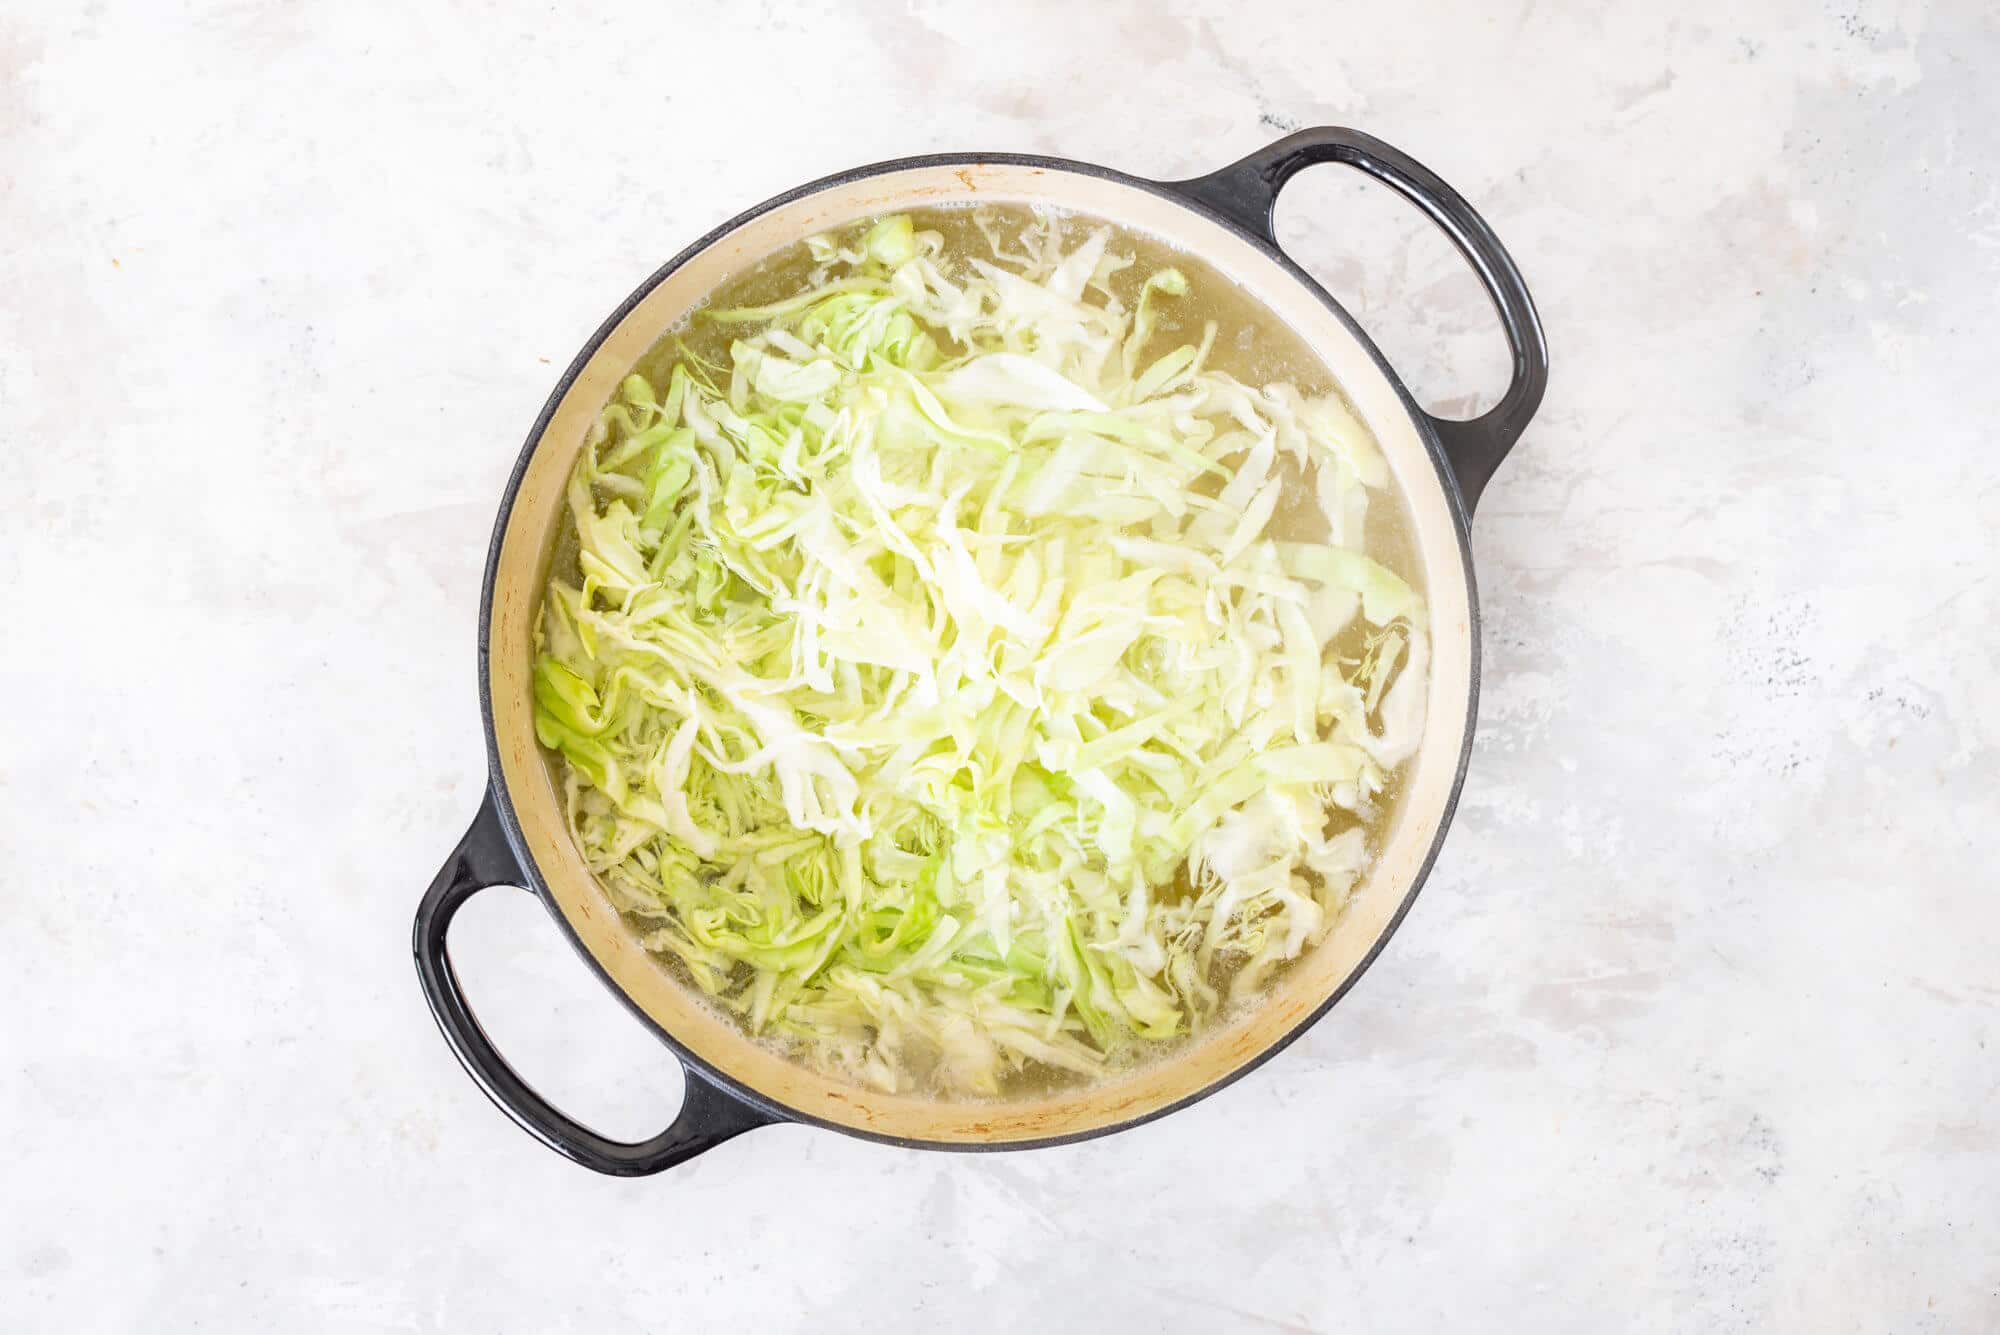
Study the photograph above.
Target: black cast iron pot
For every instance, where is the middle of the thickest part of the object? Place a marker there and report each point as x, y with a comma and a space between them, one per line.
518, 837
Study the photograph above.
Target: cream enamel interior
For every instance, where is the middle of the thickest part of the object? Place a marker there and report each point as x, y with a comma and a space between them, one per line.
522, 570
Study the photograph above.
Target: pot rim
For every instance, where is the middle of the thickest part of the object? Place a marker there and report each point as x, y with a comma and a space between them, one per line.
1177, 193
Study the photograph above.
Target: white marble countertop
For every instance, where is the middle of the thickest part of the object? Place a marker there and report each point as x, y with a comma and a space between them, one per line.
1695, 1027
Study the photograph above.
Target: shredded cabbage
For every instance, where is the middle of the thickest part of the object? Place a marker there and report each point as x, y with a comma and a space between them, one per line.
931, 687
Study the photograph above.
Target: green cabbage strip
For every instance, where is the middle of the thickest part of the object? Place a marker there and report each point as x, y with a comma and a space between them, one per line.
932, 690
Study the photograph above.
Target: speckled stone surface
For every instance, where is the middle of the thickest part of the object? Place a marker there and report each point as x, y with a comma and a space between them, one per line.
1694, 1028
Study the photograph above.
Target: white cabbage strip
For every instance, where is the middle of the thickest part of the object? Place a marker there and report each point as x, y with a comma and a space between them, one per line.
933, 691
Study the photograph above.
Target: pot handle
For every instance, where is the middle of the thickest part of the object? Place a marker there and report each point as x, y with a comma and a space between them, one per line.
708, 1114
1246, 193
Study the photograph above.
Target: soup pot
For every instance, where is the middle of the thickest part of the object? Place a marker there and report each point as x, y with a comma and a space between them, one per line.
519, 837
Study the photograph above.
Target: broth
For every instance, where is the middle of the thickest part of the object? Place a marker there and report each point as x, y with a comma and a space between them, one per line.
1253, 346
